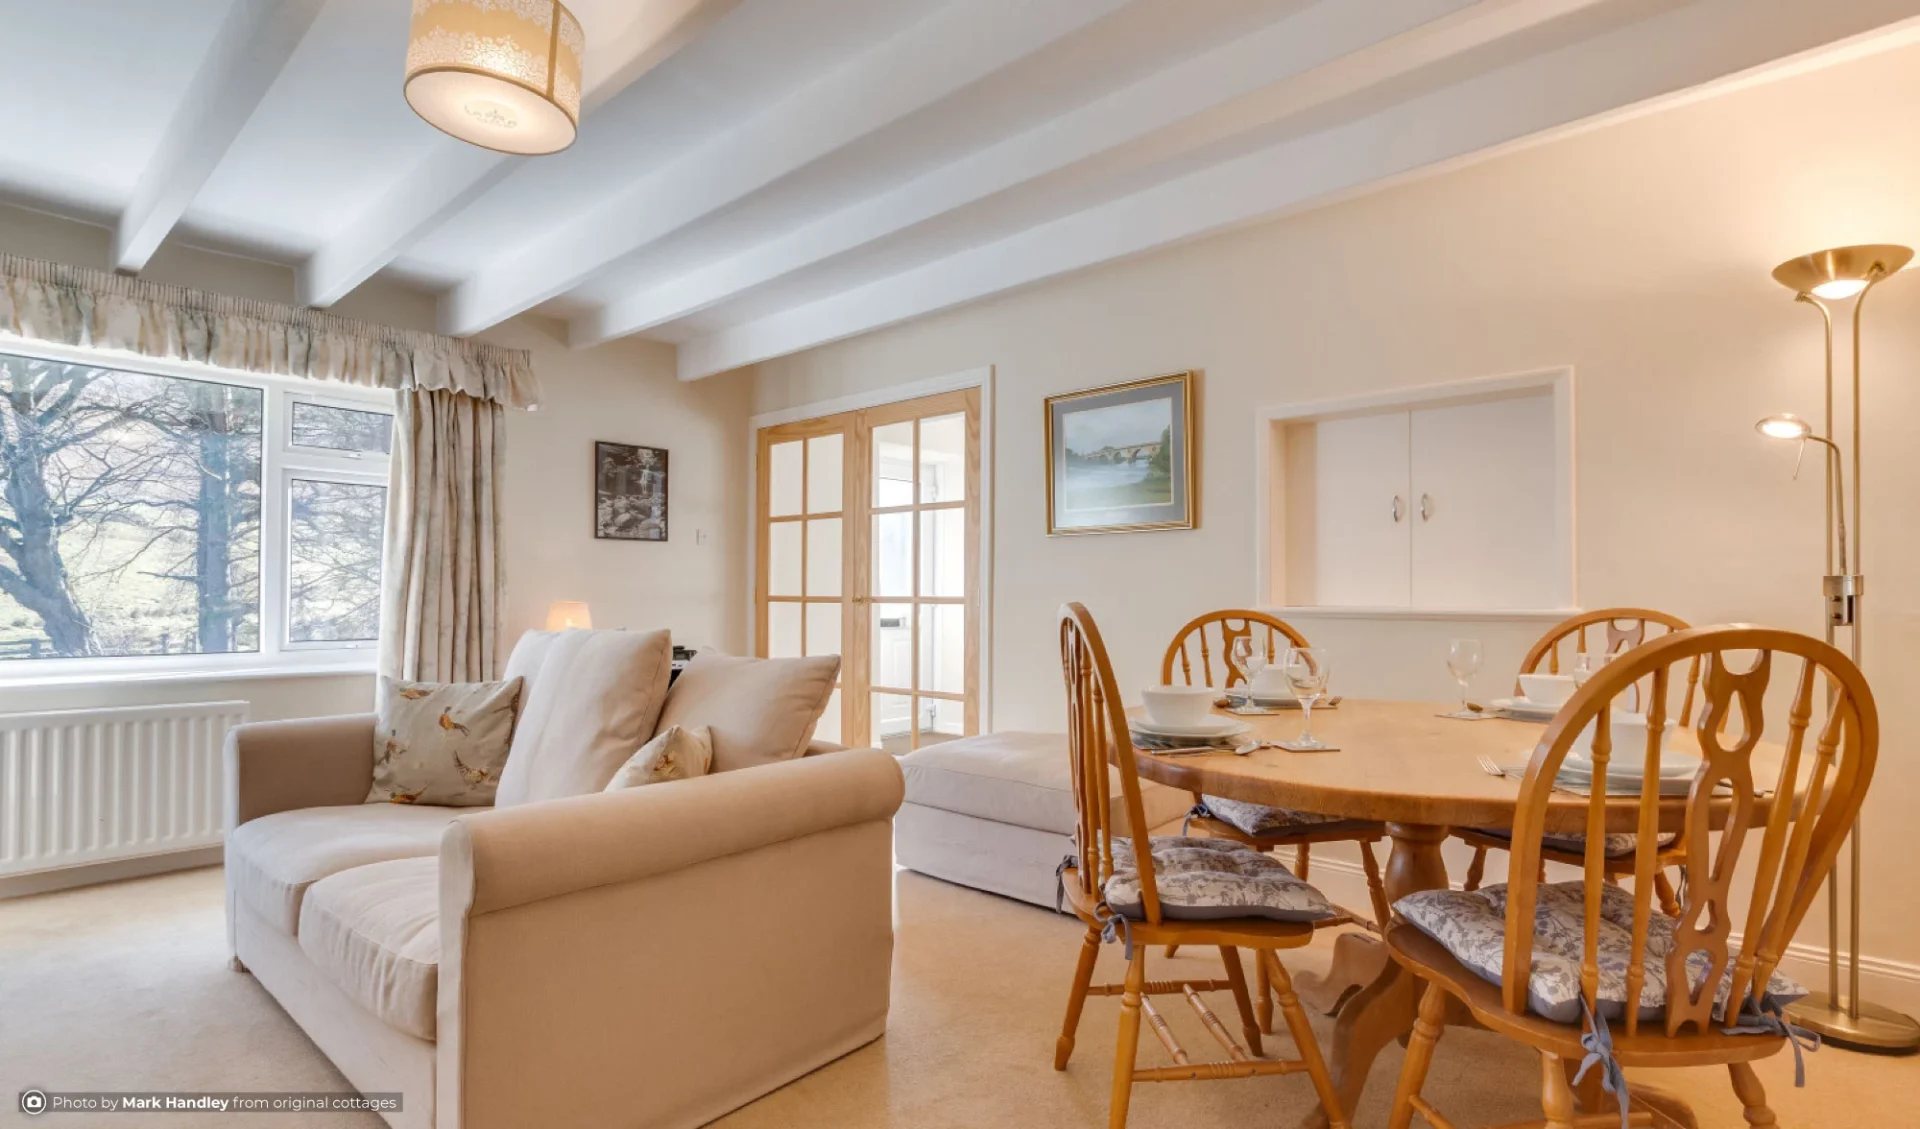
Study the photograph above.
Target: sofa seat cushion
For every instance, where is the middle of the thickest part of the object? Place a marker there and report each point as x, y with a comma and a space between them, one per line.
1025, 779
1199, 879
374, 931
271, 861
1473, 927
1259, 819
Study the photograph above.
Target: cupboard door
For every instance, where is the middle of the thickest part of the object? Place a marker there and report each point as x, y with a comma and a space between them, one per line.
1484, 525
1355, 485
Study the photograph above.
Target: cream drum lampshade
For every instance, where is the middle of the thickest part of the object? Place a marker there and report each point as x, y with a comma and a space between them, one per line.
501, 74
563, 614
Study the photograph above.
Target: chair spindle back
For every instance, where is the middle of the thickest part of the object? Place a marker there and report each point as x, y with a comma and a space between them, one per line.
1796, 847
1620, 630
1098, 737
1196, 639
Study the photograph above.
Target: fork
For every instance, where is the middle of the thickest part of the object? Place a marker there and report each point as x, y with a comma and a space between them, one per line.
1487, 766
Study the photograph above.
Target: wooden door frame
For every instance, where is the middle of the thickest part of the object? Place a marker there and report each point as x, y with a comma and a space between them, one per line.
981, 672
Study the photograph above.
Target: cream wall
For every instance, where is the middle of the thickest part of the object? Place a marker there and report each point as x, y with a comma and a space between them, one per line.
625, 391
1639, 254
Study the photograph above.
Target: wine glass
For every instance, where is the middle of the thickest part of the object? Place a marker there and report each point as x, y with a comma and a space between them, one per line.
1249, 659
1463, 661
1307, 670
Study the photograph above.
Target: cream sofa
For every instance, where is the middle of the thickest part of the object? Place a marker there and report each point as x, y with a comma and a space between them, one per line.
649, 957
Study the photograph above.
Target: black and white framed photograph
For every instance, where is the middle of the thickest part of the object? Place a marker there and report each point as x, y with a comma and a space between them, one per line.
629, 492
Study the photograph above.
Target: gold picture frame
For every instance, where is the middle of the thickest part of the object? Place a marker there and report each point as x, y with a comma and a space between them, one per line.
1133, 470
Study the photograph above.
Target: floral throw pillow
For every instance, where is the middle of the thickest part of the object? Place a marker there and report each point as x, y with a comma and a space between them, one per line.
442, 742
675, 753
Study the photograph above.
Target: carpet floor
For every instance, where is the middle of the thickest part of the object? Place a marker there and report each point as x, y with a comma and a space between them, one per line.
126, 987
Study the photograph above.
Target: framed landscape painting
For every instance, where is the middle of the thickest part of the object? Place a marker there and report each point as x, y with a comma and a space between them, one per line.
1120, 458
629, 492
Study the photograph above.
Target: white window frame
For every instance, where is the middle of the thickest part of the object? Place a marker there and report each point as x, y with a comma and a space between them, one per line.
280, 463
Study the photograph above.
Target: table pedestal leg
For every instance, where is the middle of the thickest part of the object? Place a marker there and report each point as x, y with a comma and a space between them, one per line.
1385, 1006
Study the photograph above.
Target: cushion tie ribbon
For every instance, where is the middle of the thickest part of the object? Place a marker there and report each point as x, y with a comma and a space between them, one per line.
1071, 862
1764, 1017
1598, 1043
1197, 811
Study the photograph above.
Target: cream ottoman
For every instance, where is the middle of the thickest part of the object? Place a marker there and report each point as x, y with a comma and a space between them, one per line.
995, 812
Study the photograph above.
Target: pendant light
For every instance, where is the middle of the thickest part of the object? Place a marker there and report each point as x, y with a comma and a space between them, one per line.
500, 74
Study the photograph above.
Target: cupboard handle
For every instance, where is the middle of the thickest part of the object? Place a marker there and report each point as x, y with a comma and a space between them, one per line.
1426, 507
1399, 509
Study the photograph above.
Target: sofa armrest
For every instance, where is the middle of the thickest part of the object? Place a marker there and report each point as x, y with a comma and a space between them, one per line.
527, 852
277, 766
818, 747
662, 955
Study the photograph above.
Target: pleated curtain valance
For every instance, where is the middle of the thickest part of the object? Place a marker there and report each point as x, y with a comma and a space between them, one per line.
74, 306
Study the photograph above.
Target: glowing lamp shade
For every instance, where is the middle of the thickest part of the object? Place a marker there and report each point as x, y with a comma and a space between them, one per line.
1841, 272
563, 614
1786, 425
1840, 288
500, 74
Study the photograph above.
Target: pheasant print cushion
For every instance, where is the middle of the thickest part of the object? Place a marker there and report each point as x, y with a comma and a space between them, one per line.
1473, 927
1210, 878
442, 742
675, 753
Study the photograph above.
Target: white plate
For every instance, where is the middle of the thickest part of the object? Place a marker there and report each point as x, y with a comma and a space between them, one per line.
1674, 765
1521, 707
1210, 728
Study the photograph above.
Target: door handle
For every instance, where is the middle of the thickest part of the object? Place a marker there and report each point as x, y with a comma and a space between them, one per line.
1426, 507
1399, 509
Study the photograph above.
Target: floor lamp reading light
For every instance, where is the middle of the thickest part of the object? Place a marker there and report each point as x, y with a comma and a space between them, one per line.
1819, 279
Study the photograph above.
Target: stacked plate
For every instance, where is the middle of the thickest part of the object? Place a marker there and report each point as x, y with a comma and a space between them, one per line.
1626, 775
1525, 710
1212, 732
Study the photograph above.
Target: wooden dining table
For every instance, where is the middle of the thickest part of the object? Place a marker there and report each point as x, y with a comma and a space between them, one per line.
1404, 764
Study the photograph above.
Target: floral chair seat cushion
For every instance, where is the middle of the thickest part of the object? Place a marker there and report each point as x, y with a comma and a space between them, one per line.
1259, 819
1620, 845
1473, 927
1212, 878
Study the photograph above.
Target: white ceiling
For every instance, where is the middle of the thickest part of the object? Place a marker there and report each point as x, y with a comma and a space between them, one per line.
755, 177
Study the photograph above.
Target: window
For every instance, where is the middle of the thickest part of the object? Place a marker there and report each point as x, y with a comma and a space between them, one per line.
174, 511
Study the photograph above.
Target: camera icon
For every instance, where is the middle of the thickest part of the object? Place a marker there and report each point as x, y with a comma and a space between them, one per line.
33, 1102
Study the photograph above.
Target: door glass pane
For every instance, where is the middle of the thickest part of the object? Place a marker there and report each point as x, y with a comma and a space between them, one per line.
943, 553
333, 560
892, 656
783, 479
823, 557
893, 722
783, 558
941, 721
828, 728
943, 458
824, 474
893, 464
823, 629
943, 648
783, 631
893, 554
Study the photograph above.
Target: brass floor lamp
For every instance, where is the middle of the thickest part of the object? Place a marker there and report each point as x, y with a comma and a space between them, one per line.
1819, 279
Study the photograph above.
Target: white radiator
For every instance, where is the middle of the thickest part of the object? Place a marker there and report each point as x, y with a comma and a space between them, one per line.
83, 786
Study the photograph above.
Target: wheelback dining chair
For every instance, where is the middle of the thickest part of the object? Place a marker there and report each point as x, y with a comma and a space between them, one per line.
1618, 630
1585, 970
1256, 825
1145, 891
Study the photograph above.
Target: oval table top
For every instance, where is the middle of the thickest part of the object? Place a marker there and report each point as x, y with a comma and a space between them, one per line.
1400, 762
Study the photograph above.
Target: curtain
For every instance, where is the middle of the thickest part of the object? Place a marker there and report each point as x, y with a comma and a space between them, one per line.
74, 306
444, 598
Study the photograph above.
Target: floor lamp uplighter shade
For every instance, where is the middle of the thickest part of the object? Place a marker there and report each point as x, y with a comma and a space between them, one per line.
1835, 275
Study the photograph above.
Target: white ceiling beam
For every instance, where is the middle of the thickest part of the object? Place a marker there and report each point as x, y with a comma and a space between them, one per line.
249, 51
1305, 60
454, 175
958, 45
1523, 103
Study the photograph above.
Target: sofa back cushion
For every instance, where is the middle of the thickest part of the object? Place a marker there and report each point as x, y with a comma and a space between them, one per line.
594, 699
442, 742
760, 710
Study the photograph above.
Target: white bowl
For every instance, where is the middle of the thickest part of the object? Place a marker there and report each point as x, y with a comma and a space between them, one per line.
1629, 744
1270, 682
1548, 689
1179, 705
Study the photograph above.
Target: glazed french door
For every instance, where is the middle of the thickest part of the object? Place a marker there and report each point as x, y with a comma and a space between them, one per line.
869, 532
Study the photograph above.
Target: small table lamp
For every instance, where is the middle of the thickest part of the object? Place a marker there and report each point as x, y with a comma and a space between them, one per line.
562, 614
